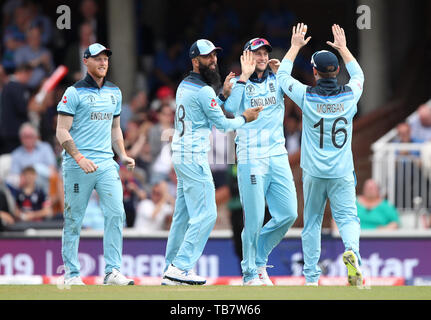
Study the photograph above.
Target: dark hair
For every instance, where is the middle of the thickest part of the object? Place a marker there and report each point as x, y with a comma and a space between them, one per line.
24, 67
327, 75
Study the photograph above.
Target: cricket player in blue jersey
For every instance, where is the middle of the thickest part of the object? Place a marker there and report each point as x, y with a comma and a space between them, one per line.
263, 167
198, 109
326, 151
88, 128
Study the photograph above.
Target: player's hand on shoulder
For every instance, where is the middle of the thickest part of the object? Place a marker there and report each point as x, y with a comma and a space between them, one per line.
251, 114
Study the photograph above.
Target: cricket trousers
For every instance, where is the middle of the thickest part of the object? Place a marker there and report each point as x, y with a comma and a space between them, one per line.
195, 212
259, 179
78, 187
342, 196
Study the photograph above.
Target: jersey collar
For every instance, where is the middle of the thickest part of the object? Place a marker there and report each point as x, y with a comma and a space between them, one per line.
254, 78
90, 81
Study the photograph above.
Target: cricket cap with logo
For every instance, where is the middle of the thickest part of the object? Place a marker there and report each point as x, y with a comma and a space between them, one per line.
324, 61
202, 47
95, 49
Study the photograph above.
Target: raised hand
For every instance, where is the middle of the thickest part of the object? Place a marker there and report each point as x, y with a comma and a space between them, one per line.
298, 35
339, 38
248, 65
227, 85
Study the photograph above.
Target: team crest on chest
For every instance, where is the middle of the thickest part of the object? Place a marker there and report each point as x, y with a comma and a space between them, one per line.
91, 100
250, 90
113, 99
271, 87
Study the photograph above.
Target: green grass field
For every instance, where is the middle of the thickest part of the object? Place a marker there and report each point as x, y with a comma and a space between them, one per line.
52, 292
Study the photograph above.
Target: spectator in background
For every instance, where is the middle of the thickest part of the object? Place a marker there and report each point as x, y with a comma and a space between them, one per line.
153, 214
73, 59
170, 65
374, 211
3, 78
292, 132
136, 143
275, 22
7, 206
32, 204
164, 95
132, 194
14, 36
135, 109
34, 54
34, 153
37, 18
420, 123
164, 126
15, 102
90, 13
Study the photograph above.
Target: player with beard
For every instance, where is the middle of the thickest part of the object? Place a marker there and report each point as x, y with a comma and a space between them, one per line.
198, 109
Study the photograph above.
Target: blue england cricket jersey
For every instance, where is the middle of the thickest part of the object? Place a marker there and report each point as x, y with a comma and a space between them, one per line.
93, 110
328, 110
263, 137
198, 109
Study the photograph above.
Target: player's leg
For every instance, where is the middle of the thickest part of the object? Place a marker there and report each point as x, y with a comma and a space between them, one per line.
314, 190
199, 195
110, 191
342, 196
179, 223
282, 204
77, 191
251, 184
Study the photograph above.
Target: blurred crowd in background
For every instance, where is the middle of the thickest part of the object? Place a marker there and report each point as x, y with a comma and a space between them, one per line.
31, 190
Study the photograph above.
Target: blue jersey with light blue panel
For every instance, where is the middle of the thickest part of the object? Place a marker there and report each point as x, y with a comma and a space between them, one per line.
93, 110
263, 137
328, 110
197, 110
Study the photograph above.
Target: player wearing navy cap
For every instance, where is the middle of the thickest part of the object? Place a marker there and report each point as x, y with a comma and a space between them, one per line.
198, 109
88, 128
263, 167
326, 153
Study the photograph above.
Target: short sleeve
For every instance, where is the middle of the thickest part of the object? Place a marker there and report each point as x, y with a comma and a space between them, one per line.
69, 102
119, 103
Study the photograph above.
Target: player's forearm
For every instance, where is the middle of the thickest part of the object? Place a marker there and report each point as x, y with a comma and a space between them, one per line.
66, 141
118, 142
292, 53
346, 55
232, 104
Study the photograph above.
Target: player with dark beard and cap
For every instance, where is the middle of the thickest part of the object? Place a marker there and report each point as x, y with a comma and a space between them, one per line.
198, 109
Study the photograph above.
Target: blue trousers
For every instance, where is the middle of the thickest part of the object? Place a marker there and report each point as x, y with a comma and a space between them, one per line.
194, 216
259, 179
78, 187
342, 196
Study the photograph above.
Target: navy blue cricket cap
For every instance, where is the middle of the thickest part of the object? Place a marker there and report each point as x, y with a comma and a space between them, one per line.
95, 49
324, 61
202, 47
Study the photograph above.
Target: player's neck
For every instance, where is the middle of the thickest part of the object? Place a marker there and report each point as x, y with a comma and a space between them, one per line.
98, 80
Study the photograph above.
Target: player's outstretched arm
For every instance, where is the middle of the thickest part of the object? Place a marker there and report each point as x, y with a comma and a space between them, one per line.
340, 44
64, 123
297, 41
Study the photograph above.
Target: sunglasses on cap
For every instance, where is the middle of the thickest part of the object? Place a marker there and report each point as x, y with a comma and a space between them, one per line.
257, 43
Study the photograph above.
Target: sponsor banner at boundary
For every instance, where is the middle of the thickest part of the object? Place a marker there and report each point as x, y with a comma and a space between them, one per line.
145, 257
227, 281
